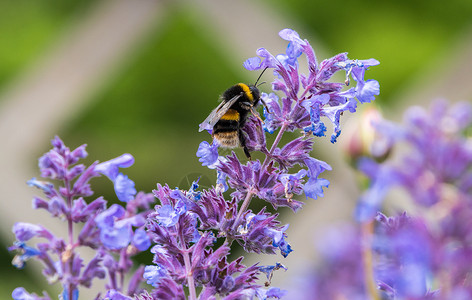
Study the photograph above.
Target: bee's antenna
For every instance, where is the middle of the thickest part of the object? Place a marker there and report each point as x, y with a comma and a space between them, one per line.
255, 84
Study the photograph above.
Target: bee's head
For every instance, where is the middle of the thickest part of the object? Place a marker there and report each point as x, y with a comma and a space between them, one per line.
255, 93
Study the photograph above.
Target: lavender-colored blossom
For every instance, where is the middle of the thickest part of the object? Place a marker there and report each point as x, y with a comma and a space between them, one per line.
55, 163
269, 270
404, 249
314, 186
115, 295
315, 84
168, 216
254, 135
116, 230
208, 265
124, 187
141, 240
93, 270
46, 187
261, 233
153, 274
111, 168
24, 253
26, 231
21, 294
208, 154
270, 293
221, 185
340, 274
420, 257
438, 156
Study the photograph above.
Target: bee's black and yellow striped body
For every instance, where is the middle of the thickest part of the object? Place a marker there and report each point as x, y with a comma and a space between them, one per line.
227, 130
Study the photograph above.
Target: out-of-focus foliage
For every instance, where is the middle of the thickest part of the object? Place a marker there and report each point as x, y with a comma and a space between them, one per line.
405, 36
28, 28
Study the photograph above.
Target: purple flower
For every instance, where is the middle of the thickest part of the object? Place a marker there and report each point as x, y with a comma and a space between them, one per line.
54, 164
93, 270
252, 64
278, 240
319, 96
262, 233
255, 138
314, 186
221, 184
269, 270
21, 294
438, 157
124, 188
208, 154
294, 48
272, 292
168, 215
340, 272
115, 231
46, 187
111, 168
24, 253
294, 152
153, 274
115, 295
404, 246
334, 114
26, 231
141, 240
81, 211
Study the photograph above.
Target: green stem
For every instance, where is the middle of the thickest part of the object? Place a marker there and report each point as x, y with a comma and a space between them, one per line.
367, 259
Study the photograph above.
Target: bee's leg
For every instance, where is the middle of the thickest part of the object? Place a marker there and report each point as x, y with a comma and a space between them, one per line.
242, 142
265, 106
250, 107
256, 114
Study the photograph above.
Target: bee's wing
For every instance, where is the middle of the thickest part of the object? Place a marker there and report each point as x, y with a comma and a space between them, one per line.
217, 113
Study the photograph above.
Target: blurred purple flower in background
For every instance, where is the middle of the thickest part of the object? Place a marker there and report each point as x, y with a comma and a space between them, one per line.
424, 254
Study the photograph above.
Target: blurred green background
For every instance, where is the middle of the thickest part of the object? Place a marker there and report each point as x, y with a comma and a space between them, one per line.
150, 105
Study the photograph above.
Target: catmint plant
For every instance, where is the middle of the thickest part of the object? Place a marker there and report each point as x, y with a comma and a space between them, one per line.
425, 254
420, 254
115, 233
190, 232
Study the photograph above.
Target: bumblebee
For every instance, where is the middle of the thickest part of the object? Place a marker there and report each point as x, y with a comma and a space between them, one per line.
228, 118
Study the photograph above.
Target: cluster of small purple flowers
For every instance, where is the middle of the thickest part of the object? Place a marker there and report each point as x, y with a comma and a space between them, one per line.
423, 254
182, 229
115, 233
306, 99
